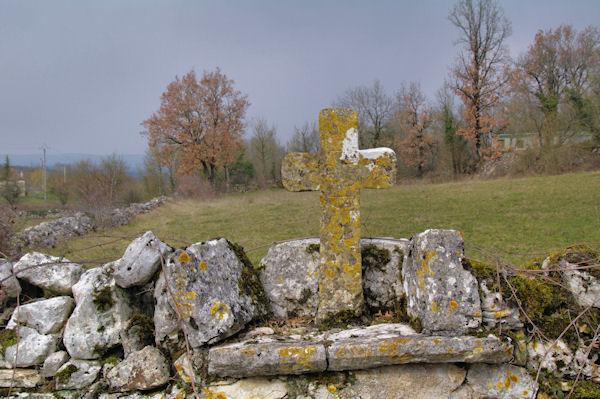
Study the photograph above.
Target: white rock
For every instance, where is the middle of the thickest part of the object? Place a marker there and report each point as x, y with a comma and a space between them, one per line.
9, 287
77, 374
52, 273
140, 261
103, 309
33, 348
250, 388
142, 370
46, 316
53, 363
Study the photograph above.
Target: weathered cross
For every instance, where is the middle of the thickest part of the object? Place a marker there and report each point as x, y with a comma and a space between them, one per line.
338, 172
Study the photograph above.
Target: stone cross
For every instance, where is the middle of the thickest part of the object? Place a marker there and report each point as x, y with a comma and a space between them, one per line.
338, 171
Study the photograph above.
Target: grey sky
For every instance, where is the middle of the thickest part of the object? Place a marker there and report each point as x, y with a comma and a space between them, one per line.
80, 76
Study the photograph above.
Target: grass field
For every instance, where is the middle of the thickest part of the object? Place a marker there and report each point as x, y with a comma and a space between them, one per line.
517, 219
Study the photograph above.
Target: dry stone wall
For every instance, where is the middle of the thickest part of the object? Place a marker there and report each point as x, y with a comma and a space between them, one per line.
47, 234
152, 322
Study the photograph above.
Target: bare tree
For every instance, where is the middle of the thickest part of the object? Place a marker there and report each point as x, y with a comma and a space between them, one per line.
553, 84
305, 139
374, 108
477, 76
266, 153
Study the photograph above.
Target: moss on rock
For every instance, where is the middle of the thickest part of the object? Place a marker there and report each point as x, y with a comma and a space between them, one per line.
7, 338
249, 283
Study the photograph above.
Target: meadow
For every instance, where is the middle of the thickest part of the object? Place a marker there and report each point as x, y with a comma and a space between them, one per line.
514, 219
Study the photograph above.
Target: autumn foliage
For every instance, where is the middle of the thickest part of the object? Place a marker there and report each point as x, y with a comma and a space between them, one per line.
414, 116
201, 122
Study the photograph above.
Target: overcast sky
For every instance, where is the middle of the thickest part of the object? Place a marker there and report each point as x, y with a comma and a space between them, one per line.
80, 76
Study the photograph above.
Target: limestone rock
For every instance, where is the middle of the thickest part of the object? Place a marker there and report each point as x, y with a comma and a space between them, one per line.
439, 291
102, 310
140, 261
584, 286
142, 370
214, 292
267, 357
290, 276
23, 378
493, 314
560, 360
9, 287
363, 352
51, 273
33, 349
53, 363
424, 381
381, 269
46, 316
250, 388
77, 374
186, 371
501, 381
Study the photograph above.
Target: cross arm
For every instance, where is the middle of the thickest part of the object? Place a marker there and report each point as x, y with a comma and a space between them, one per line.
300, 172
377, 167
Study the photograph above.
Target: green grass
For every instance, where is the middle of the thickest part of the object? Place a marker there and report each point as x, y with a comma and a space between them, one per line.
517, 219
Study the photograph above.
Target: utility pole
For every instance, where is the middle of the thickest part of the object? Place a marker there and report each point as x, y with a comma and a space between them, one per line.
44, 148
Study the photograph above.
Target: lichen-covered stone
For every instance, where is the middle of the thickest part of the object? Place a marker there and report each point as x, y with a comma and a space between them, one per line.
186, 370
501, 381
142, 370
423, 381
267, 357
22, 378
53, 363
343, 169
46, 316
382, 350
77, 374
33, 348
210, 288
496, 312
140, 261
439, 291
48, 272
102, 310
290, 276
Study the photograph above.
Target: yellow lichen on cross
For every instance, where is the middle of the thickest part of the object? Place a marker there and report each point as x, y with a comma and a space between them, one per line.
339, 171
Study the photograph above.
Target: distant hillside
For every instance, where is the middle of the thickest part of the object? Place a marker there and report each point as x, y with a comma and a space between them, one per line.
35, 160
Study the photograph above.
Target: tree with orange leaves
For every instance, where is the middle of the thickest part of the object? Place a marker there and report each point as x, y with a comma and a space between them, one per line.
477, 78
413, 117
200, 121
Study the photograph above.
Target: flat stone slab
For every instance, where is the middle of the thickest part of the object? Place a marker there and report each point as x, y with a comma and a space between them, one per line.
23, 378
364, 353
267, 358
355, 349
